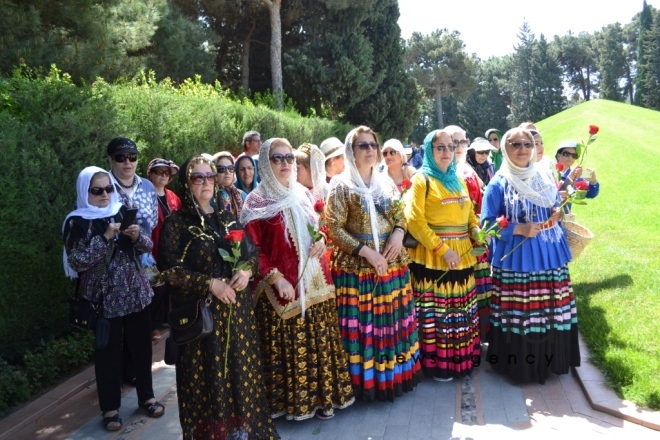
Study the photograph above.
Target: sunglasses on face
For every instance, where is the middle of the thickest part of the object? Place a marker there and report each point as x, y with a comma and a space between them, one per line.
567, 154
366, 145
482, 152
442, 148
519, 145
280, 158
225, 169
99, 190
389, 153
242, 170
201, 178
121, 158
161, 172
461, 143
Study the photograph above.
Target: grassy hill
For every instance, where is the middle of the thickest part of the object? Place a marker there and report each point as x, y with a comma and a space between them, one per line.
617, 277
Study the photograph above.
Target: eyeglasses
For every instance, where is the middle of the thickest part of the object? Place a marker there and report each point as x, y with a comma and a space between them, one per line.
201, 178
255, 140
461, 143
223, 169
279, 158
162, 172
121, 158
519, 145
244, 169
482, 152
366, 145
567, 154
389, 153
443, 148
99, 190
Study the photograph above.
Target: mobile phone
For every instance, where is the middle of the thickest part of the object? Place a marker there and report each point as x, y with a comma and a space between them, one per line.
129, 218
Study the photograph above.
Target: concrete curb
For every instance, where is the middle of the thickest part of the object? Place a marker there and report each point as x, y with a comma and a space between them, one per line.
603, 399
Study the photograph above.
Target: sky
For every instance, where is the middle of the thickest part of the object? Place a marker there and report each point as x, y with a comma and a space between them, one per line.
490, 27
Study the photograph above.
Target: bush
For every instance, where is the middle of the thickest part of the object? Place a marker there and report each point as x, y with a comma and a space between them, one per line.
14, 386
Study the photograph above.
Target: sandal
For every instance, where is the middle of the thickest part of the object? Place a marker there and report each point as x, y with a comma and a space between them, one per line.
112, 419
320, 414
152, 409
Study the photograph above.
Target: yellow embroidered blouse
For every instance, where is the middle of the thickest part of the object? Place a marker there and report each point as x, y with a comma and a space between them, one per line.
347, 219
439, 222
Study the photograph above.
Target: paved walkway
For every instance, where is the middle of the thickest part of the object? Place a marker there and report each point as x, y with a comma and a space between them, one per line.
485, 405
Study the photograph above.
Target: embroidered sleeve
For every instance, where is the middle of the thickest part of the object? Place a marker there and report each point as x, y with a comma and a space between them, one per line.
337, 219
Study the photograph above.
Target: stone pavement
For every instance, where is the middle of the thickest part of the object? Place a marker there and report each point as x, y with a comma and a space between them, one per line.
484, 405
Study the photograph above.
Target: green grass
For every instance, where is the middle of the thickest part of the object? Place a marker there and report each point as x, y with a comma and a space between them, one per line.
617, 277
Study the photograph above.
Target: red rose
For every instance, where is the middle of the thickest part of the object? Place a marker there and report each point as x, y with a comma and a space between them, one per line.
502, 222
593, 129
581, 185
319, 206
406, 184
559, 166
235, 236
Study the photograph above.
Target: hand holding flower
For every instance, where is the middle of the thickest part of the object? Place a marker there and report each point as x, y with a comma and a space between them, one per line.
223, 291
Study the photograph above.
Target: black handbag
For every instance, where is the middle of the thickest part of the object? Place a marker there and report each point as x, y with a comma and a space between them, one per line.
83, 313
409, 241
191, 322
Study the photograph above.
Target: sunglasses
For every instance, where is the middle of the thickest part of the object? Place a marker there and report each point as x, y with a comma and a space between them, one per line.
519, 145
161, 172
443, 148
201, 178
280, 158
389, 153
567, 154
121, 158
366, 145
482, 152
462, 143
99, 190
224, 169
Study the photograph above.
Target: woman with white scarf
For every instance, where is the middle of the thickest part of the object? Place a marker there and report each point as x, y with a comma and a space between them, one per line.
533, 315
370, 271
305, 366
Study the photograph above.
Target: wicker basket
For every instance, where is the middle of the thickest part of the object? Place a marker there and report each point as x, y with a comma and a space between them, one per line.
578, 237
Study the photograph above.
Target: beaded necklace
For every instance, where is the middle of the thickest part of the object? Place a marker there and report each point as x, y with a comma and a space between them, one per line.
126, 186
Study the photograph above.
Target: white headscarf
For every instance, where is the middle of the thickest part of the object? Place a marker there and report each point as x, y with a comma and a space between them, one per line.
87, 211
317, 171
531, 185
295, 203
379, 186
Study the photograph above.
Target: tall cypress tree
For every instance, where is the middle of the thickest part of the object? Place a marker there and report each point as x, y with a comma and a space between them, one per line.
652, 66
645, 22
612, 62
521, 80
546, 80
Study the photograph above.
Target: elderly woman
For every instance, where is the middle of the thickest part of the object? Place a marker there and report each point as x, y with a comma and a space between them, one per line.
305, 364
311, 170
477, 158
107, 263
370, 271
441, 217
567, 155
533, 316
230, 197
219, 379
395, 159
245, 168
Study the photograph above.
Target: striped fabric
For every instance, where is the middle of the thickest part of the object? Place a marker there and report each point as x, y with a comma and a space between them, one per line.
533, 324
379, 332
448, 320
450, 232
484, 289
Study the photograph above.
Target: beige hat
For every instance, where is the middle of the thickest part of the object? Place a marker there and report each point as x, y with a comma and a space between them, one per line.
332, 147
481, 144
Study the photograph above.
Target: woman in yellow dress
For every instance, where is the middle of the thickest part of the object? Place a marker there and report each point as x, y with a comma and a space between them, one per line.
441, 216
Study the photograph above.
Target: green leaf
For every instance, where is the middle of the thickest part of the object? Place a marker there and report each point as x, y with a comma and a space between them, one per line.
478, 251
236, 252
224, 254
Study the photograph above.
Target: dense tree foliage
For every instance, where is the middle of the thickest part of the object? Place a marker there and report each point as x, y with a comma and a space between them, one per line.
645, 22
611, 62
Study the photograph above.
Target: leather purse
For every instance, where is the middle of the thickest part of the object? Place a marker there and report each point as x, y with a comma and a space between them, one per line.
83, 313
191, 322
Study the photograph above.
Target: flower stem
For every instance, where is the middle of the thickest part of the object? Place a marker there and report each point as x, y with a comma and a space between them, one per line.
461, 257
511, 251
227, 346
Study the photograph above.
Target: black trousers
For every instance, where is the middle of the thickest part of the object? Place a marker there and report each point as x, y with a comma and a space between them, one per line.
136, 330
159, 306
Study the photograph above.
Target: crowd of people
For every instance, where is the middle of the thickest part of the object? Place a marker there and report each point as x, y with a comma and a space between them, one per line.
363, 267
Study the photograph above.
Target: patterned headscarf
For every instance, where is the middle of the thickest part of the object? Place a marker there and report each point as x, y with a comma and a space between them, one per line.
296, 205
449, 179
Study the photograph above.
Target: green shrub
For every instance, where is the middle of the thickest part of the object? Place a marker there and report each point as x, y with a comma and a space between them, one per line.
14, 386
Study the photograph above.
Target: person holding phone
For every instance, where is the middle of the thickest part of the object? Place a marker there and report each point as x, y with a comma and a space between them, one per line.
102, 249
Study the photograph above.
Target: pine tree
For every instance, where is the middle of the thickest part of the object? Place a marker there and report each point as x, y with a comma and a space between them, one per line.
521, 79
578, 58
611, 62
652, 66
546, 81
645, 22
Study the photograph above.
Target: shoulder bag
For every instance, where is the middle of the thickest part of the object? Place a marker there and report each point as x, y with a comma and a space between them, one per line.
191, 322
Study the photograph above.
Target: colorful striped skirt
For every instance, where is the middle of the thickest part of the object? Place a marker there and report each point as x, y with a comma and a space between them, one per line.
533, 324
483, 282
448, 320
379, 331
